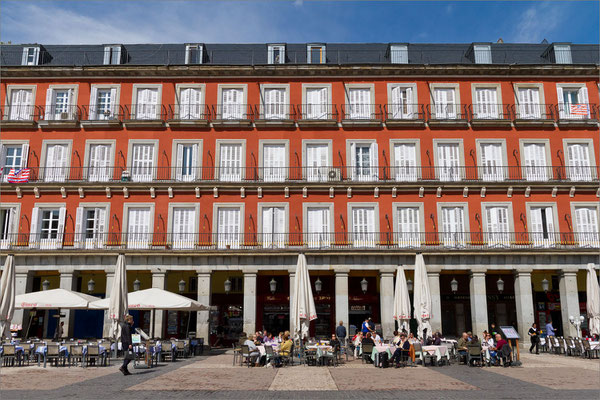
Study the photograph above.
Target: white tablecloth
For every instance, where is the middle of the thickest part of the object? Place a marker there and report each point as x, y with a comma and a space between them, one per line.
437, 351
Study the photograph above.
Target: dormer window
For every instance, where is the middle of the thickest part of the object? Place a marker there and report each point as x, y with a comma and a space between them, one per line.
31, 56
193, 54
276, 54
483, 53
399, 54
112, 54
315, 54
562, 54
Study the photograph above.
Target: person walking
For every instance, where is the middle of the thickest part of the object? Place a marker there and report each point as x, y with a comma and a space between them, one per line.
534, 334
126, 343
550, 331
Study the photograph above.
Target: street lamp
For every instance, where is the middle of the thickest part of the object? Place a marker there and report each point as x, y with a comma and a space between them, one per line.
500, 284
227, 285
45, 285
318, 285
545, 285
136, 285
577, 323
273, 285
91, 285
409, 285
364, 285
454, 285
181, 285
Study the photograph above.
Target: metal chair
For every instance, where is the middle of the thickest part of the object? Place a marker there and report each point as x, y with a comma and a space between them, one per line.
246, 356
237, 353
474, 354
76, 355
9, 355
93, 355
53, 354
367, 350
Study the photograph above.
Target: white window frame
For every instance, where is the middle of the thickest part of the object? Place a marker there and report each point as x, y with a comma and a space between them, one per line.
54, 176
271, 52
8, 100
483, 172
372, 170
276, 240
80, 240
325, 239
543, 173
534, 238
244, 105
134, 98
233, 244
323, 55
328, 106
285, 107
109, 54
498, 239
366, 239
13, 227
362, 108
36, 55
563, 112
194, 46
200, 107
399, 53
125, 226
409, 240
411, 109
438, 111
243, 167
482, 53
462, 238
318, 174
189, 239
487, 111
37, 241
87, 155
50, 111
175, 163
538, 111
573, 173
565, 54
396, 172
278, 177
24, 156
144, 178
447, 174
584, 239
93, 104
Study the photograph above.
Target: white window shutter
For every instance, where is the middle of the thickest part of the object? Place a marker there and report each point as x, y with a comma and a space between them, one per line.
101, 230
49, 114
61, 226
34, 234
106, 55
411, 108
24, 154
374, 161
396, 102
562, 112
179, 163
583, 98
352, 162
93, 114
79, 228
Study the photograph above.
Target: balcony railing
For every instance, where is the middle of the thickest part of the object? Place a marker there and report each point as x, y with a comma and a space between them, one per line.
317, 112
61, 113
394, 112
362, 112
232, 112
490, 112
20, 113
145, 112
447, 112
533, 112
188, 112
99, 113
299, 240
316, 174
578, 111
275, 112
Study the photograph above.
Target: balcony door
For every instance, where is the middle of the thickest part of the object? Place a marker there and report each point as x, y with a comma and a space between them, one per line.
535, 164
492, 168
273, 227
99, 163
184, 226
449, 161
274, 168
542, 226
142, 166
138, 227
453, 226
317, 162
318, 227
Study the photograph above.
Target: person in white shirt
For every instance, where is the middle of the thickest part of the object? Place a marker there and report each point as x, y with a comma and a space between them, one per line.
396, 339
377, 339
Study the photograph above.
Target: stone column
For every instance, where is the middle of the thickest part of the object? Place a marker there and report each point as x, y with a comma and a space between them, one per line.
203, 317
24, 284
67, 281
479, 313
250, 302
569, 301
436, 301
292, 293
524, 303
341, 299
110, 277
386, 299
159, 280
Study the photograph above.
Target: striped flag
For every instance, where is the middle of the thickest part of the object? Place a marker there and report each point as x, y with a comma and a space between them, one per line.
579, 109
18, 176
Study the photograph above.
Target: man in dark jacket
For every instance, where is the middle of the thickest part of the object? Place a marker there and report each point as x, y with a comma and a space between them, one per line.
341, 334
126, 343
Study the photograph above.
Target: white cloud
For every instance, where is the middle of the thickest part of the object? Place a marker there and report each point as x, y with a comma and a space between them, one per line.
537, 22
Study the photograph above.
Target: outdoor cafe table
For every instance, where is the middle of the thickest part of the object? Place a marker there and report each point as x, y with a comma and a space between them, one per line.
437, 351
389, 349
320, 349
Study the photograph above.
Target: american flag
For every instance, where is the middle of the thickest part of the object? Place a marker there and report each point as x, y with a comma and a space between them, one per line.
579, 109
18, 176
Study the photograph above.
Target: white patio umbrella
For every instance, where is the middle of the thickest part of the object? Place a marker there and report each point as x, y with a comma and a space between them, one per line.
593, 300
155, 299
401, 301
54, 299
422, 297
7, 296
117, 305
303, 306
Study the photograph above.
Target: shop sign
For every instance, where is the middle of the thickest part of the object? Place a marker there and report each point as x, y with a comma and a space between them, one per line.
554, 306
541, 306
358, 308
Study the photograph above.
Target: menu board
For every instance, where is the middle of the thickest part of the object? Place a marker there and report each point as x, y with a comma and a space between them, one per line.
136, 338
510, 332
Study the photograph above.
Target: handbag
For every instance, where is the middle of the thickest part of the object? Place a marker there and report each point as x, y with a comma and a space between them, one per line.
129, 355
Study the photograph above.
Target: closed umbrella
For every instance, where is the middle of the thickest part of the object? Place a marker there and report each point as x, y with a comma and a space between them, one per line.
422, 298
117, 305
593, 300
303, 307
401, 301
7, 296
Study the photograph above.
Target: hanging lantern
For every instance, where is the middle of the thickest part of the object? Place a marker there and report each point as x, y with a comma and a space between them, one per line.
318, 285
45, 285
273, 285
545, 285
227, 285
364, 285
454, 285
409, 285
181, 285
136, 285
500, 284
91, 285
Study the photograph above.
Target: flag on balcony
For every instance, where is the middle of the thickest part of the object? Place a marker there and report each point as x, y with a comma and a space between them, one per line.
579, 109
18, 176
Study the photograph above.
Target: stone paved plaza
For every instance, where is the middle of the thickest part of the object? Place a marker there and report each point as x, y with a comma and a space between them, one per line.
213, 376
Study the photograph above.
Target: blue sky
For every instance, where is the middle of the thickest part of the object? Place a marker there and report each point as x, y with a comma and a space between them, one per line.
299, 21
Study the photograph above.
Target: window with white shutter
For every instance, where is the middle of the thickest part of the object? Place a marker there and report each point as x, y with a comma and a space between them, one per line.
453, 226
573, 102
562, 54
229, 227
542, 226
59, 104
142, 162
274, 106
147, 106
529, 103
51, 227
103, 103
359, 103
184, 226
273, 227
99, 168
405, 162
586, 226
365, 162
317, 103
230, 162
21, 105
31, 56
12, 157
408, 231
363, 227
318, 227
498, 228
193, 54
90, 228
483, 54
276, 54
186, 167
139, 230
535, 165
316, 54
492, 164
486, 106
56, 168
445, 103
232, 103
112, 54
8, 226
401, 103
190, 104
317, 162
274, 168
399, 54
578, 164
449, 161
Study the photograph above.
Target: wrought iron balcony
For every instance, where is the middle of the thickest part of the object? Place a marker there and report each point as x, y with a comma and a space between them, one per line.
102, 116
533, 115
409, 115
579, 114
188, 115
447, 115
14, 116
144, 115
362, 114
276, 115
492, 115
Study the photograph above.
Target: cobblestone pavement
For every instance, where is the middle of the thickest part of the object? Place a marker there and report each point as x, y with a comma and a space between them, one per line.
213, 376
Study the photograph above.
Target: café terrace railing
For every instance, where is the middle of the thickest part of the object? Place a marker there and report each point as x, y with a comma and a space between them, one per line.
144, 172
318, 241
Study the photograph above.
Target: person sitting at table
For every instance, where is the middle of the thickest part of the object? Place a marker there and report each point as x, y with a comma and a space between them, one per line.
401, 353
269, 339
286, 346
255, 357
462, 345
356, 342
242, 339
435, 340
412, 338
396, 338
280, 337
377, 339
335, 343
367, 339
